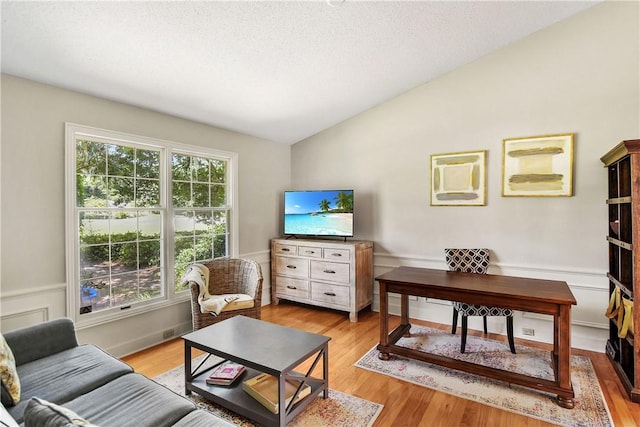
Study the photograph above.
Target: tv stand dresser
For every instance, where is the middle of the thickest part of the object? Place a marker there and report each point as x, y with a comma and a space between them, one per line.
326, 273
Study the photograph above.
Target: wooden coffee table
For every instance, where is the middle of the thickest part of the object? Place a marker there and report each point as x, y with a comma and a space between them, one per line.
261, 347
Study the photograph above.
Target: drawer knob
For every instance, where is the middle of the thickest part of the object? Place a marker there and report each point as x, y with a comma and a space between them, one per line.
336, 254
329, 271
331, 294
291, 287
285, 250
292, 266
309, 252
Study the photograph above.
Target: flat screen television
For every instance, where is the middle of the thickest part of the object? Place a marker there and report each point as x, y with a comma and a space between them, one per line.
318, 213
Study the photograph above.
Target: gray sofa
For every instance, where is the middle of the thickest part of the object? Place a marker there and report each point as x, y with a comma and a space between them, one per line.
94, 385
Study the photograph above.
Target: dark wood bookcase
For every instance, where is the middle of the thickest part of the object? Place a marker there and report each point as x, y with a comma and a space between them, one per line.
623, 202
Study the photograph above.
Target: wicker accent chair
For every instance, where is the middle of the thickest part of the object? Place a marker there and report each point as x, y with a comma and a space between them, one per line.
229, 276
474, 261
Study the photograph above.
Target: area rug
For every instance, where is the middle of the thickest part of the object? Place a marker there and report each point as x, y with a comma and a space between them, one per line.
590, 407
339, 409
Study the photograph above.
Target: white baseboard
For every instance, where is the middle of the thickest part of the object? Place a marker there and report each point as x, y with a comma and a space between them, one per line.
139, 343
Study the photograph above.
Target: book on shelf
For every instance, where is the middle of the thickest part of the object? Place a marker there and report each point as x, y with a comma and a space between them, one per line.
225, 373
264, 388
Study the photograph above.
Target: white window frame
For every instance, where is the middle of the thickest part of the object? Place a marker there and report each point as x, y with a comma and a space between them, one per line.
167, 148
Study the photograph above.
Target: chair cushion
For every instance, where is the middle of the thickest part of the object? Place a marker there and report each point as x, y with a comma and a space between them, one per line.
243, 301
480, 310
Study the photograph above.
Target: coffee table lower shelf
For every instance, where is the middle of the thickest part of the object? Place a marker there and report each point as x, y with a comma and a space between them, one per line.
234, 398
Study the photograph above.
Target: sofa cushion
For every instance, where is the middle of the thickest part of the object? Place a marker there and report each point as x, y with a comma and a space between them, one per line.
8, 375
65, 375
131, 397
202, 418
40, 413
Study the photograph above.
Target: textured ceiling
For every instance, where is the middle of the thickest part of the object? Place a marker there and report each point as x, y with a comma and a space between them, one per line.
282, 71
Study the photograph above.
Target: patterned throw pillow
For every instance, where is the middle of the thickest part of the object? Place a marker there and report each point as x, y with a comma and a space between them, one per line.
40, 413
8, 373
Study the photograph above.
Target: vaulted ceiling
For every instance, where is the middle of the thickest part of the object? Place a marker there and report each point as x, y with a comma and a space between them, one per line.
281, 71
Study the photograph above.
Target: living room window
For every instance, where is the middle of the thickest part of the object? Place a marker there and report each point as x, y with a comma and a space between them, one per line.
139, 211
200, 211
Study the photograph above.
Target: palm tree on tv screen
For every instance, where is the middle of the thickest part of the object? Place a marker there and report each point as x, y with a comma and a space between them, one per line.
344, 201
324, 205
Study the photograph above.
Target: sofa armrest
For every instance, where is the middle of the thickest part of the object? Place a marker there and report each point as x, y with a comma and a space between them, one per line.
38, 341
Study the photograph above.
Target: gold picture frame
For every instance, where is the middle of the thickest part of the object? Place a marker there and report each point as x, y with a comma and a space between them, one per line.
459, 179
538, 166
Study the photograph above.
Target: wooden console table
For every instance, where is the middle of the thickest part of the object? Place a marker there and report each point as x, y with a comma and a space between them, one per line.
518, 293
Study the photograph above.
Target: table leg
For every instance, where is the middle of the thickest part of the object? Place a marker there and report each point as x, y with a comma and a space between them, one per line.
282, 412
556, 339
325, 371
384, 320
562, 344
188, 376
404, 313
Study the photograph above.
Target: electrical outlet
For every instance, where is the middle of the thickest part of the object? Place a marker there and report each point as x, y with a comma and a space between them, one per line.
528, 331
168, 333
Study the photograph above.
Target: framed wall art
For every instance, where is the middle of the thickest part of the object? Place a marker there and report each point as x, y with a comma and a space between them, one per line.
458, 179
538, 166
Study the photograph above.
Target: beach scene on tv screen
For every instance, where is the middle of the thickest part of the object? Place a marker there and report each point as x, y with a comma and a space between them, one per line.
319, 213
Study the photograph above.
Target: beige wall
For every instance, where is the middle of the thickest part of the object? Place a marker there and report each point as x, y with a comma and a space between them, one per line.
581, 76
33, 235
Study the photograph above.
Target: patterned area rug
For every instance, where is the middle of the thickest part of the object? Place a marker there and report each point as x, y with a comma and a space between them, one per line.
590, 406
339, 409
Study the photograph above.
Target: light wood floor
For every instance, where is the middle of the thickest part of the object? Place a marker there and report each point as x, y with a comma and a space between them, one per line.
405, 404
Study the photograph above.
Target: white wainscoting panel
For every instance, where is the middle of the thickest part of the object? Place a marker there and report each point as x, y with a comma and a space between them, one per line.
32, 306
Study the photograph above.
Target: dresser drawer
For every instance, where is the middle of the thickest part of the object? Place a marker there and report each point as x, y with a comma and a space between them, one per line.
286, 249
332, 294
336, 254
331, 271
310, 251
296, 267
288, 287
